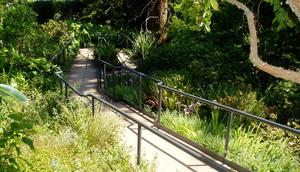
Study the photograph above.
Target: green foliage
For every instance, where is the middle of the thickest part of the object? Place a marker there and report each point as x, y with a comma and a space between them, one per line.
14, 131
104, 38
204, 57
194, 15
282, 17
217, 62
246, 148
141, 46
284, 97
128, 93
65, 136
239, 96
7, 91
99, 136
36, 68
103, 11
107, 52
16, 24
177, 80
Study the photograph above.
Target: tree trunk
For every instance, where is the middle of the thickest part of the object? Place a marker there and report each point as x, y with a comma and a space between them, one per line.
163, 20
278, 72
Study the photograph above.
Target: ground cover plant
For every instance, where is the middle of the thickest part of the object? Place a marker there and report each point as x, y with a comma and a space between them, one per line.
247, 146
62, 136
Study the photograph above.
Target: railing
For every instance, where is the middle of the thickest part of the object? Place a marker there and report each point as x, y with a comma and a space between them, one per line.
141, 124
65, 87
102, 73
161, 87
61, 57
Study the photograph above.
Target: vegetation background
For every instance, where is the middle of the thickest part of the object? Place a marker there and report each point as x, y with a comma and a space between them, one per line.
205, 53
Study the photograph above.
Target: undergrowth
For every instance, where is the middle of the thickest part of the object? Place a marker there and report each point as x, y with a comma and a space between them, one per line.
247, 147
65, 137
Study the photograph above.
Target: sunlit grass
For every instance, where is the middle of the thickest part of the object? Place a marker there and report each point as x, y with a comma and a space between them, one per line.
66, 137
246, 148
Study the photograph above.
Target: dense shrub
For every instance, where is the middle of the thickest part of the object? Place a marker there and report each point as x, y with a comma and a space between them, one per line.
206, 61
284, 96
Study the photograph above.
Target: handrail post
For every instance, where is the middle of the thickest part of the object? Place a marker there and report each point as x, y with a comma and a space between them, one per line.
66, 90
93, 106
229, 123
139, 142
160, 102
104, 73
140, 92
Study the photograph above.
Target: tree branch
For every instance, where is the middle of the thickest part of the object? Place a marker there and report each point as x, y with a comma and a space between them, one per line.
295, 6
278, 72
142, 12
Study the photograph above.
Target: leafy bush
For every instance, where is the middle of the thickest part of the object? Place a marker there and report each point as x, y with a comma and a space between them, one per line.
103, 11
284, 96
141, 46
14, 130
105, 38
175, 79
107, 52
16, 24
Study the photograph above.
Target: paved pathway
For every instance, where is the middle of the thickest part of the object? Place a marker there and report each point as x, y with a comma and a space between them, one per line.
167, 157
124, 59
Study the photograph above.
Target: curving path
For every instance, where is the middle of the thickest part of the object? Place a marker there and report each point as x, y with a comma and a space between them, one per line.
166, 156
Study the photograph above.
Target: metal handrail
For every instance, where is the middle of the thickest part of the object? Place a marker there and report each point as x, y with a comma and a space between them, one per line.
232, 110
208, 102
141, 124
229, 109
132, 70
62, 51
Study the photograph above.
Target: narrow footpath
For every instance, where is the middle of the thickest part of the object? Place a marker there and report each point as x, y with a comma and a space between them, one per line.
168, 158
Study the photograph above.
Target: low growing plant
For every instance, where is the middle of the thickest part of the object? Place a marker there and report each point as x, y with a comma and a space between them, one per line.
247, 147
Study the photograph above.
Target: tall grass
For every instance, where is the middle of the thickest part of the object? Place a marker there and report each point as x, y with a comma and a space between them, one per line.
67, 138
246, 148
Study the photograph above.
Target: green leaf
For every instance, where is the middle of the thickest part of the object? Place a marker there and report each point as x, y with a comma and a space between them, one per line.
29, 142
8, 91
214, 4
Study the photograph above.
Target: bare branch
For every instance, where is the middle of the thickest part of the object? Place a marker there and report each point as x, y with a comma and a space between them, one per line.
278, 72
146, 22
142, 12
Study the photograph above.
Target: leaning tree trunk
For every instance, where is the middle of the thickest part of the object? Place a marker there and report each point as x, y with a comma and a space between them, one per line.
163, 20
278, 72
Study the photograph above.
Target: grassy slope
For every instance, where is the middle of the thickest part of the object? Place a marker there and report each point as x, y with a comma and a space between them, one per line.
247, 148
67, 138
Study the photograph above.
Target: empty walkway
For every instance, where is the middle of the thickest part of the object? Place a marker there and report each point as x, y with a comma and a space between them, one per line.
166, 156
